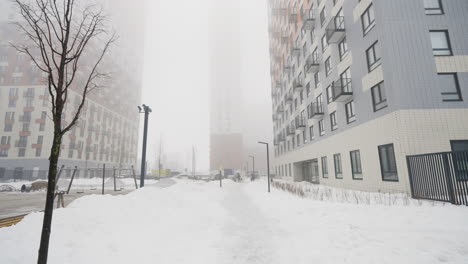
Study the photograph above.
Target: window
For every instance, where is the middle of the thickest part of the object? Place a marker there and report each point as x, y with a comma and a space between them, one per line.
329, 94
38, 152
311, 133
324, 167
433, 7
350, 114
316, 79
321, 128
440, 43
345, 78
388, 163
343, 49
333, 123
5, 140
459, 145
338, 170
368, 20
40, 139
373, 57
448, 82
21, 152
3, 153
304, 136
322, 17
324, 43
308, 89
379, 98
290, 172
356, 167
8, 128
328, 68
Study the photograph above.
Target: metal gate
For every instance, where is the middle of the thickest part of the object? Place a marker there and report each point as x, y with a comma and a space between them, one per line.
439, 176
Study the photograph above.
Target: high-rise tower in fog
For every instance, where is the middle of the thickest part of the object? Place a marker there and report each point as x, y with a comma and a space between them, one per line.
226, 141
108, 128
358, 85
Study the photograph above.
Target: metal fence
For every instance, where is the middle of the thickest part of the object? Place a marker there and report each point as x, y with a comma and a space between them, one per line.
439, 176
74, 179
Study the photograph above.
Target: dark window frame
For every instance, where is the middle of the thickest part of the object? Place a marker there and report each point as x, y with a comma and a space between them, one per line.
457, 86
449, 44
356, 171
333, 121
340, 172
365, 15
375, 104
377, 62
350, 118
324, 162
441, 8
382, 172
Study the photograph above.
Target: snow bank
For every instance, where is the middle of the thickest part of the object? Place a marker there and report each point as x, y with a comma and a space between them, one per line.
332, 194
180, 224
313, 231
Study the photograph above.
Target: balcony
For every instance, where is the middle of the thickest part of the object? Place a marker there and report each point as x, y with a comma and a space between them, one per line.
28, 94
342, 90
288, 98
293, 17
281, 137
316, 111
280, 110
295, 50
290, 131
21, 144
313, 64
298, 85
300, 124
308, 20
335, 29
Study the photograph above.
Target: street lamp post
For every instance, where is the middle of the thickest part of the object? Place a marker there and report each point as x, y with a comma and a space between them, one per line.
268, 163
253, 165
146, 110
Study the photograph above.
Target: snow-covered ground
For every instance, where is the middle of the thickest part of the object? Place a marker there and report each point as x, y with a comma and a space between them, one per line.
198, 222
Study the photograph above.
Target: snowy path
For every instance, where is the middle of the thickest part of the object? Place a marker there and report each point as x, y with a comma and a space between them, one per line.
198, 222
247, 233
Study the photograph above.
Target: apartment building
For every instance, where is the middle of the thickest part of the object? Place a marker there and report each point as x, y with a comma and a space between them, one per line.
357, 85
107, 131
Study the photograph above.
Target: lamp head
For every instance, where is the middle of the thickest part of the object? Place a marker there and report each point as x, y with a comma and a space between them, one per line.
139, 108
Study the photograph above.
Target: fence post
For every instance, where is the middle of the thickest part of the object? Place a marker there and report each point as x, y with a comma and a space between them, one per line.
58, 176
115, 189
134, 178
449, 179
71, 180
103, 176
410, 176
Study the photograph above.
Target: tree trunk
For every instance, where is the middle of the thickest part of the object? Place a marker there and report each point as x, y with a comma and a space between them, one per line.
49, 207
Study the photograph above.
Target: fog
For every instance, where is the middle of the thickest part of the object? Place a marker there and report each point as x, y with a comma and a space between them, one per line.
179, 44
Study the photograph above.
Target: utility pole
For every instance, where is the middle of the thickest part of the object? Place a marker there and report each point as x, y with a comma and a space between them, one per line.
268, 163
146, 110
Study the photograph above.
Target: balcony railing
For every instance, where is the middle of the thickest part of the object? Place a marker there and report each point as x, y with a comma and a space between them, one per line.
288, 98
298, 85
290, 130
280, 110
21, 144
300, 123
293, 17
281, 137
316, 111
295, 50
335, 29
308, 19
313, 64
342, 90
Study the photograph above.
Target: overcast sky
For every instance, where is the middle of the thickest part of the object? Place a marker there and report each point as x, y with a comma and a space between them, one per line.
176, 75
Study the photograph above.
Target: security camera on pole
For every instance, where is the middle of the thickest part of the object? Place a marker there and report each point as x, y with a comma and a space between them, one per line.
146, 110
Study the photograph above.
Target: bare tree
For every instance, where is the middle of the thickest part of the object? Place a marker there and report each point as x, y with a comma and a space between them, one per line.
68, 44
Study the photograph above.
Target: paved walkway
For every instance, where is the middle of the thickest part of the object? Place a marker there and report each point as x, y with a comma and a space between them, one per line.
248, 233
